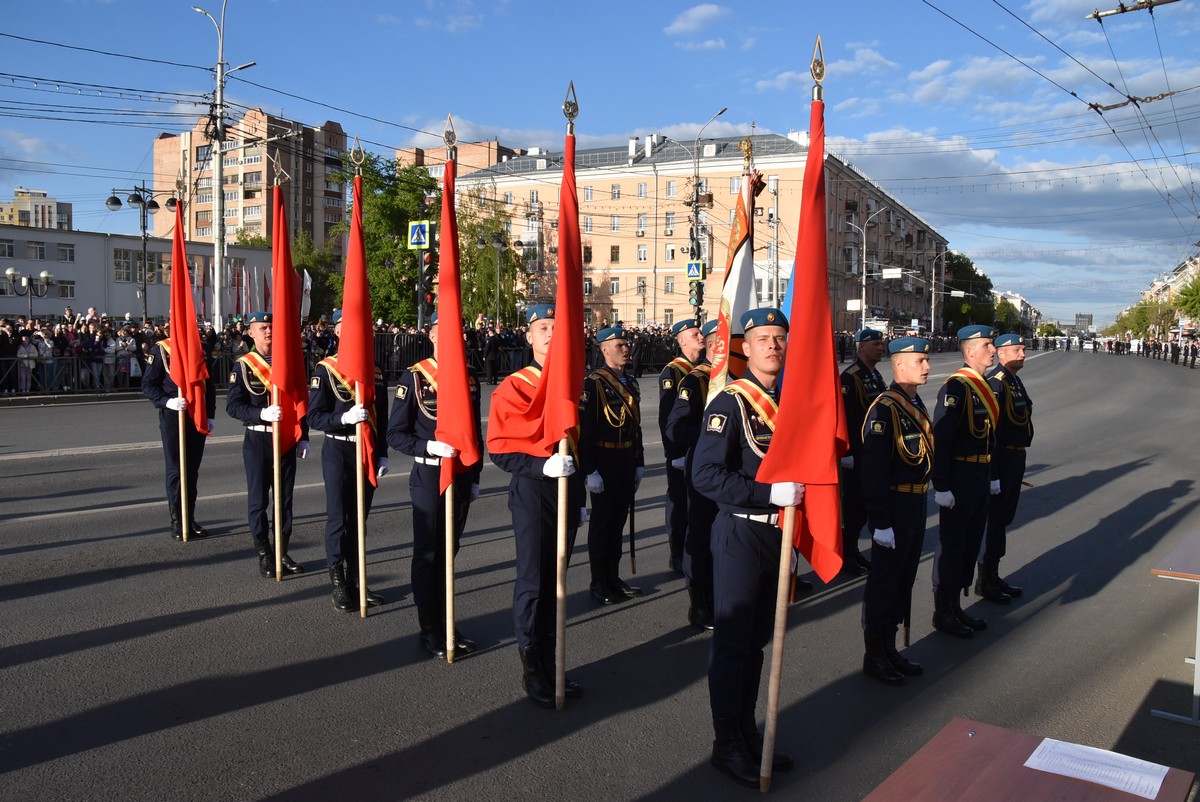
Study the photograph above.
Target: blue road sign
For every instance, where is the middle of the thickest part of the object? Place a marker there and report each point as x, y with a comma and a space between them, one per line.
695, 270
418, 235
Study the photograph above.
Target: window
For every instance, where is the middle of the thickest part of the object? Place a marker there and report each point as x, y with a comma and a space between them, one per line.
204, 216
587, 255
669, 285
255, 159
643, 190
641, 285
783, 285
436, 170
587, 286
6, 248
533, 288
203, 231
670, 189
616, 222
35, 250
231, 196
587, 224
330, 217
330, 186
669, 222
668, 317
614, 286
155, 266
66, 289
702, 187
616, 191
230, 161
531, 225
204, 197
231, 212
533, 197
204, 183
614, 254
641, 316
307, 201
231, 179
122, 265
203, 153
735, 185
773, 184
66, 253
254, 211
641, 221
643, 255
508, 197
615, 314
758, 290
669, 253
587, 193
334, 202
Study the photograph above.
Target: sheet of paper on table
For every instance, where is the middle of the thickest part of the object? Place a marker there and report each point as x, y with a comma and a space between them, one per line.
1098, 766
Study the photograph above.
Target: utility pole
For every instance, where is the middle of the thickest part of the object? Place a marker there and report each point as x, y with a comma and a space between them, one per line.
863, 260
1123, 8
695, 234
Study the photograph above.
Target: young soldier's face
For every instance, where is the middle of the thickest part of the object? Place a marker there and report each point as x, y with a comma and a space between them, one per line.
764, 347
539, 336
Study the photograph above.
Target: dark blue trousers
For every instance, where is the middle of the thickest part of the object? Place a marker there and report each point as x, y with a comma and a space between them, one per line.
168, 428
887, 598
1002, 508
259, 458
534, 507
610, 511
960, 530
677, 510
429, 531
338, 467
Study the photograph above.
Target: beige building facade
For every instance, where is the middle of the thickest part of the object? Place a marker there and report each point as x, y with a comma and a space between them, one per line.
34, 208
639, 206
258, 150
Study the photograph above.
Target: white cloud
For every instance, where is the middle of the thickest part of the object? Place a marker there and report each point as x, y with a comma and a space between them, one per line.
866, 60
784, 80
930, 71
748, 42
707, 44
695, 19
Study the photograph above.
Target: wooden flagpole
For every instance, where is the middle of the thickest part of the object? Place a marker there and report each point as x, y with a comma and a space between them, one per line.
278, 483
185, 514
560, 611
361, 507
781, 605
449, 498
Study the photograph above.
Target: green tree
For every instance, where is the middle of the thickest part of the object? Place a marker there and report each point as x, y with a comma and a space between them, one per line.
1187, 300
1007, 315
393, 196
323, 266
245, 237
1049, 330
975, 305
480, 219
1146, 319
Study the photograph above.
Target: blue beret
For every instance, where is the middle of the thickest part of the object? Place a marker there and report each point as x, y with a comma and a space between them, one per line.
867, 335
976, 333
433, 319
539, 312
767, 316
684, 325
337, 316
258, 317
611, 333
909, 345
1009, 339
710, 327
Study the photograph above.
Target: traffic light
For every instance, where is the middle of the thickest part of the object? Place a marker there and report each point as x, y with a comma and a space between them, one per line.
696, 293
429, 271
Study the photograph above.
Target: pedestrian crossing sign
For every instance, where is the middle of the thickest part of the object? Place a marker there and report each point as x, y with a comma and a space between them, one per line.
695, 270
418, 235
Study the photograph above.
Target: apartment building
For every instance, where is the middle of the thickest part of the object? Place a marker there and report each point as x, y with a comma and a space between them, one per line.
34, 208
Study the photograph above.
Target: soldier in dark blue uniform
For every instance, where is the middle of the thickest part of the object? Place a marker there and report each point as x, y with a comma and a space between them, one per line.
683, 428
332, 409
1014, 434
691, 351
611, 457
249, 401
894, 463
533, 501
412, 431
964, 432
861, 384
746, 541
164, 394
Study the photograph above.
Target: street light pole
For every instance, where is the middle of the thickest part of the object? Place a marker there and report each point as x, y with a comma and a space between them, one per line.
863, 260
35, 286
695, 238
500, 245
142, 198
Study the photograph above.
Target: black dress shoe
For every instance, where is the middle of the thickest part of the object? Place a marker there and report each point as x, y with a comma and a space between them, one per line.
266, 566
628, 591
290, 566
946, 621
977, 624
1011, 590
881, 668
198, 531
780, 761
909, 668
605, 594
373, 599
433, 645
463, 646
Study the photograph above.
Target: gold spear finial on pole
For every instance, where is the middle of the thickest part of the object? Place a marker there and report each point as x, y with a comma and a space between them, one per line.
570, 108
450, 137
746, 146
818, 70
358, 155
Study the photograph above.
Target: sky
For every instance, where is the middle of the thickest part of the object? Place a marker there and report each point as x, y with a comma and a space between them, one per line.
987, 118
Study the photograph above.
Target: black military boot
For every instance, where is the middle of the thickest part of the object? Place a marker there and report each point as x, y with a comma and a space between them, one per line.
748, 726
944, 619
196, 530
853, 562
875, 661
909, 668
618, 585
1011, 590
571, 688
430, 642
266, 558
533, 677
602, 591
699, 611
290, 566
373, 599
977, 624
729, 752
987, 585
176, 523
341, 592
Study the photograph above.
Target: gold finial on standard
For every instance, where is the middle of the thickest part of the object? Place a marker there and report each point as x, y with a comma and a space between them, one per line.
570, 108
818, 69
358, 155
747, 149
450, 138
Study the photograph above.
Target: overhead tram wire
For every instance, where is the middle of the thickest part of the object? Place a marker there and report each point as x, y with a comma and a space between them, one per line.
104, 52
1171, 97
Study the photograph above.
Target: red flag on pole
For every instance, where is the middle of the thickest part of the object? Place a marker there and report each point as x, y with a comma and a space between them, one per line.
456, 416
810, 431
356, 344
188, 368
288, 372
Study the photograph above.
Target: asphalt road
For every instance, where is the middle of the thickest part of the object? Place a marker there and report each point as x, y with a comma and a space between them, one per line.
138, 668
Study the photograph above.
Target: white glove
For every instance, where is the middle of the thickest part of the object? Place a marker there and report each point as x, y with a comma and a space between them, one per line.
271, 414
474, 492
356, 414
885, 538
787, 494
679, 464
944, 498
637, 478
847, 462
177, 404
558, 466
212, 426
595, 482
995, 487
383, 468
436, 448
302, 449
